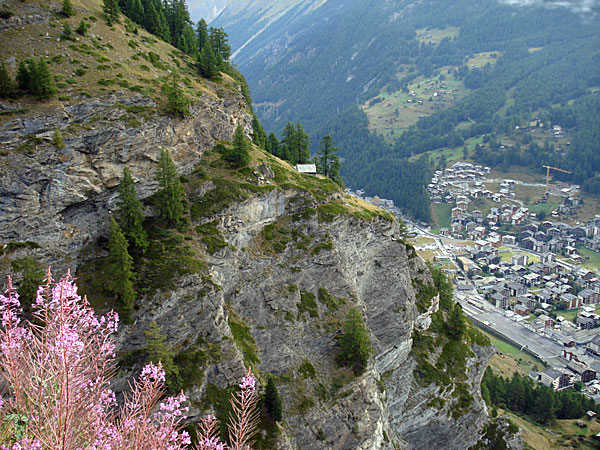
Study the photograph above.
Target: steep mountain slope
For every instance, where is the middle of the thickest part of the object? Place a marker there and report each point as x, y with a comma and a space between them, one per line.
261, 273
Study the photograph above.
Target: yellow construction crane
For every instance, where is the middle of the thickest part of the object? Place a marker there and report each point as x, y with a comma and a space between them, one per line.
548, 174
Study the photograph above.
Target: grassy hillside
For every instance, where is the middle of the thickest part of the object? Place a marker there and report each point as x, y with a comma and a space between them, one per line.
123, 57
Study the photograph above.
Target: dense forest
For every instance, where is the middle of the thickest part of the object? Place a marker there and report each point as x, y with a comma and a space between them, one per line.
542, 404
321, 70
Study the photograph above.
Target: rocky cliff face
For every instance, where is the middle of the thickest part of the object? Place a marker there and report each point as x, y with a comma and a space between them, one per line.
272, 295
60, 198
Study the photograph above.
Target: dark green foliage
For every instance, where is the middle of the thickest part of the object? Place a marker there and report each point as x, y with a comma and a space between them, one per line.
67, 33
33, 276
355, 344
202, 34
23, 77
159, 351
425, 293
7, 85
177, 103
443, 286
327, 160
273, 144
456, 323
541, 403
36, 79
219, 43
136, 12
259, 136
307, 304
131, 214
57, 139
294, 144
272, 401
207, 63
67, 8
111, 10
82, 28
169, 198
239, 155
120, 270
307, 370
243, 339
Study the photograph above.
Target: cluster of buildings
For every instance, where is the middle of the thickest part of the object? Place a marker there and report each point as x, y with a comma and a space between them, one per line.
441, 189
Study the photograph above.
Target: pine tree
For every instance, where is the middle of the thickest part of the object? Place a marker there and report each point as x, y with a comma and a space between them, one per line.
259, 136
163, 27
239, 155
67, 33
24, 76
131, 214
42, 82
82, 27
177, 103
456, 323
202, 34
136, 13
159, 351
189, 45
274, 144
170, 196
328, 162
151, 19
111, 9
355, 344
7, 86
273, 401
207, 63
67, 8
120, 269
57, 139
219, 42
302, 142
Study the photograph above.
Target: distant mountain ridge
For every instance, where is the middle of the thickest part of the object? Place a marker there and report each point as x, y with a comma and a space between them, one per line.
323, 63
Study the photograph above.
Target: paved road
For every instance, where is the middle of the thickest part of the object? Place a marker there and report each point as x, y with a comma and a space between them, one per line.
540, 345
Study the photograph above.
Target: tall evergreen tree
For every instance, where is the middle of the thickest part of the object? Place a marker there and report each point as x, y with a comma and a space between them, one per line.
202, 34
24, 76
7, 86
302, 143
207, 63
136, 13
177, 103
131, 214
273, 401
159, 351
67, 8
112, 10
240, 153
219, 42
189, 45
42, 82
355, 344
456, 323
328, 162
259, 136
170, 197
67, 32
273, 144
120, 268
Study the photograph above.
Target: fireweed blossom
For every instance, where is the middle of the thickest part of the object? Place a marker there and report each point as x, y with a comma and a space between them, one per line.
57, 372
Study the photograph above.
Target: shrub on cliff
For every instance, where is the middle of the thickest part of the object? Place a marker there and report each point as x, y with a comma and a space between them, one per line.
355, 344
